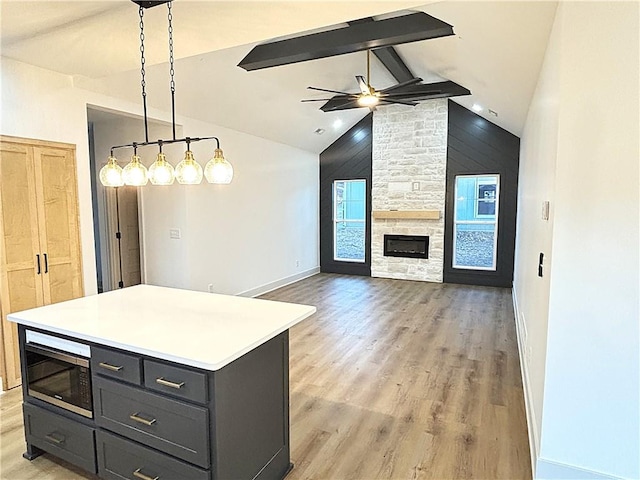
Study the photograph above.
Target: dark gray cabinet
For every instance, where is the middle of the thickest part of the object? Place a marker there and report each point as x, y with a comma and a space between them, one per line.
175, 381
120, 458
169, 425
154, 418
60, 436
116, 364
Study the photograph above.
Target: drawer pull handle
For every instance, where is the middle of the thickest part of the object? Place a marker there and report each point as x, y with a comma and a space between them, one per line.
52, 437
167, 383
137, 418
113, 368
142, 476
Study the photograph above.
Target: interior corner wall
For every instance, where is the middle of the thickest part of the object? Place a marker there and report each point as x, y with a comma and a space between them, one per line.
253, 235
580, 151
538, 150
40, 104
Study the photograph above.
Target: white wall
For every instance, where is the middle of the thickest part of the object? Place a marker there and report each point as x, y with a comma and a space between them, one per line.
41, 104
536, 184
589, 421
275, 197
259, 232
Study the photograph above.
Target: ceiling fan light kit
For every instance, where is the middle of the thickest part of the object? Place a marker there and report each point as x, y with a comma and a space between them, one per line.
188, 171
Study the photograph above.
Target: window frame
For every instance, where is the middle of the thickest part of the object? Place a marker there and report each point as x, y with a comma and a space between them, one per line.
335, 221
456, 222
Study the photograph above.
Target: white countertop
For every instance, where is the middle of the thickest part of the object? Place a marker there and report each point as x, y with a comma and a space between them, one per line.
204, 330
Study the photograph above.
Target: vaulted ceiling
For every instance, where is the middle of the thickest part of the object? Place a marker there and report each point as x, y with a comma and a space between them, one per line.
496, 53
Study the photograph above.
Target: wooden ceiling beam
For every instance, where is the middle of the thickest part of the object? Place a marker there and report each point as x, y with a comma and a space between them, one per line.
353, 38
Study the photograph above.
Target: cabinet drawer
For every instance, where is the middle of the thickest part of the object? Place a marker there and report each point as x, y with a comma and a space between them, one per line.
60, 436
168, 425
123, 366
120, 458
176, 381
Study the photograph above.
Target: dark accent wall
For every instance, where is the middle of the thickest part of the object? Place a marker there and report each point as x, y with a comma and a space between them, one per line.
348, 158
476, 147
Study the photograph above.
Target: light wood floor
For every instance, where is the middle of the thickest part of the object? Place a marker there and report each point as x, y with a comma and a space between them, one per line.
390, 379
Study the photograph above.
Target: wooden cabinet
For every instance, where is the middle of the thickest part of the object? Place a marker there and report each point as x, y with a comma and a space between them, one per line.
40, 259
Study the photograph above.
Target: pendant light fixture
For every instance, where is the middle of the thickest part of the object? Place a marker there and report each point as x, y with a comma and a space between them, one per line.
161, 172
135, 174
188, 171
218, 170
111, 173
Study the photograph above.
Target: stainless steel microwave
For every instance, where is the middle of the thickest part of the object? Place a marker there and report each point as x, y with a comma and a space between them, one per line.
58, 372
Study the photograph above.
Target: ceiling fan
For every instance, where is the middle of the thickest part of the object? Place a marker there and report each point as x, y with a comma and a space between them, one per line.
369, 96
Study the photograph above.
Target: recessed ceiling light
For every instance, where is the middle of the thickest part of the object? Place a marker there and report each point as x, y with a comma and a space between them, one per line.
493, 112
319, 131
337, 123
476, 107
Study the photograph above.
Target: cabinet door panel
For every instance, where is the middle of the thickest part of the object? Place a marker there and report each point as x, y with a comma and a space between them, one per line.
55, 173
20, 284
171, 426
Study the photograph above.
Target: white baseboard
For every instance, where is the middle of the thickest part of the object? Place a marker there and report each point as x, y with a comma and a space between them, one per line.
550, 470
528, 400
268, 287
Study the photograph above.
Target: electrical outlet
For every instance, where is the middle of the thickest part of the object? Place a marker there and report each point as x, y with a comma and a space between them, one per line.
174, 233
210, 288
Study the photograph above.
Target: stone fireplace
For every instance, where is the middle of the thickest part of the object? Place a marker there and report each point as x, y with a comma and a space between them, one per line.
409, 172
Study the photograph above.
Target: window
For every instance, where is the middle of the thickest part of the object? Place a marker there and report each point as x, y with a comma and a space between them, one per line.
349, 220
475, 234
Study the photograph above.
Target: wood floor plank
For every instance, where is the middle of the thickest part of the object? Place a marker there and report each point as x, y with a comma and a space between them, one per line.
390, 379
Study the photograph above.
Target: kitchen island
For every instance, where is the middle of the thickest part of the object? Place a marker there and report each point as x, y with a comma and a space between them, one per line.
180, 384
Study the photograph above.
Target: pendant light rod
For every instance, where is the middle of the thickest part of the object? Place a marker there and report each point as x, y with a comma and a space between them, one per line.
186, 140
172, 84
143, 82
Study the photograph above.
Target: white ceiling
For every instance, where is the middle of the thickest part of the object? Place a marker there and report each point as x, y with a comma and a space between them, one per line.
496, 53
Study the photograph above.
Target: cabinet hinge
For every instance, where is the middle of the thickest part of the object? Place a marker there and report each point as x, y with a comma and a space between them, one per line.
118, 235
120, 284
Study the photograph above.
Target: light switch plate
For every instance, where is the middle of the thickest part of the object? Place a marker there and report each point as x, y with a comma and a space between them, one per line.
545, 210
415, 186
174, 233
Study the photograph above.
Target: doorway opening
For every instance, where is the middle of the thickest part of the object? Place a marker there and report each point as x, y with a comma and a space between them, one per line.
116, 211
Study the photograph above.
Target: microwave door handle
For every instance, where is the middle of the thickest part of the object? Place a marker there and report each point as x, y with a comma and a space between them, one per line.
58, 355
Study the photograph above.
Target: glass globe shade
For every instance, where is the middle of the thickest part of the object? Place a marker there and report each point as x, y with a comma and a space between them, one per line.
188, 171
161, 171
111, 174
218, 170
135, 173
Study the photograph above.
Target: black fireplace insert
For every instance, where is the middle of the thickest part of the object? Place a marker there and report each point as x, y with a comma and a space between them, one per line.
410, 246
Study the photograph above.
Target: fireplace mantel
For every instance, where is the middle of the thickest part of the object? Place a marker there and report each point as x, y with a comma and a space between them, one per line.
407, 214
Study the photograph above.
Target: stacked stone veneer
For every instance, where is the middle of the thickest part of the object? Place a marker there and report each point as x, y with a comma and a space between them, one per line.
409, 145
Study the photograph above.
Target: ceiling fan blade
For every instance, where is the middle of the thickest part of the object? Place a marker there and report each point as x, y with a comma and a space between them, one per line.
402, 102
338, 103
364, 88
402, 84
414, 95
330, 91
316, 100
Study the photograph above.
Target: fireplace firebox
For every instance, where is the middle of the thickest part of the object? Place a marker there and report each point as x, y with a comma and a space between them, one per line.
410, 246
